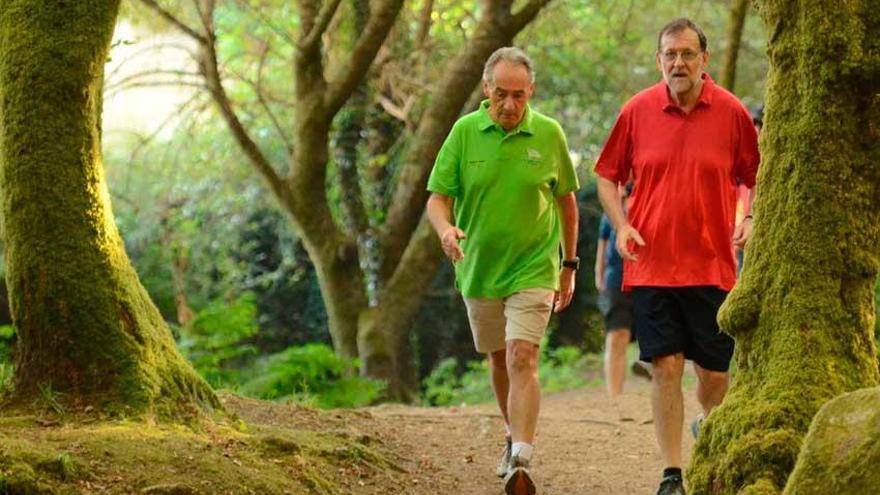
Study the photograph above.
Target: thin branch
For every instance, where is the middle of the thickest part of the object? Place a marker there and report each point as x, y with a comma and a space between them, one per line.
363, 54
153, 4
152, 84
148, 50
211, 73
526, 14
328, 10
424, 24
266, 21
111, 84
258, 88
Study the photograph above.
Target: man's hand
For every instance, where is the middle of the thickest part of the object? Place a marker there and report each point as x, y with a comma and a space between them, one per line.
566, 290
449, 242
742, 232
624, 235
600, 281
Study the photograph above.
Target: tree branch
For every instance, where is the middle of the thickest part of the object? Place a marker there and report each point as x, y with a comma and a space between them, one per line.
371, 39
328, 10
526, 14
154, 5
211, 73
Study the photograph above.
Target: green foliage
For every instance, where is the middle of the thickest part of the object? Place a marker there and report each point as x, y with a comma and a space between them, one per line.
313, 375
559, 369
218, 342
215, 339
447, 386
7, 340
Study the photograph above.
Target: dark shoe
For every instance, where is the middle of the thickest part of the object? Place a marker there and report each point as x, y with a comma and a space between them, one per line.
672, 485
518, 481
696, 424
641, 368
504, 464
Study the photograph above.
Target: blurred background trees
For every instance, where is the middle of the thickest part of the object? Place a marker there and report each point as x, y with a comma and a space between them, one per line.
231, 266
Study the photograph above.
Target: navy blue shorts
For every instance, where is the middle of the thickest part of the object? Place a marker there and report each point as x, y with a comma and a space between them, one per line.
669, 320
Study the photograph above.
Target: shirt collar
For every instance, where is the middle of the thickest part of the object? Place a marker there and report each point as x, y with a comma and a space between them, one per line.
707, 93
485, 120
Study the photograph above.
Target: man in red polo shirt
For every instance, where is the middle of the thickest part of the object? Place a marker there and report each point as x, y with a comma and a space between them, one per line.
687, 143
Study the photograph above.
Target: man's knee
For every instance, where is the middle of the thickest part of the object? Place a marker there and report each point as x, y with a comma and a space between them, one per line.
618, 339
498, 361
713, 379
668, 368
522, 357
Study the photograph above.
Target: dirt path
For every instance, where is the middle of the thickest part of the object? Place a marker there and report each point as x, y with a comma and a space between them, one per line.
585, 445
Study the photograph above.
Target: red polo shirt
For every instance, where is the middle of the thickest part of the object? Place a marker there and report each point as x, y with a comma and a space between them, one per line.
686, 168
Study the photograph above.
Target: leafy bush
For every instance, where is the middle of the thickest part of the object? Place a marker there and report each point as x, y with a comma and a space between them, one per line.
563, 368
7, 340
313, 375
214, 341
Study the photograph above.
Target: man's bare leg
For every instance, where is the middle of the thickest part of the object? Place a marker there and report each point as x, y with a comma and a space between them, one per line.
667, 404
616, 342
524, 398
500, 381
711, 387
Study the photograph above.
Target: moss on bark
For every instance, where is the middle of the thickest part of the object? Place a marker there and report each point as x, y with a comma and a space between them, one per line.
842, 449
803, 313
87, 329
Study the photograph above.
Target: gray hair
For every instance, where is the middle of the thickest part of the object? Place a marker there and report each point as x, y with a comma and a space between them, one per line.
509, 54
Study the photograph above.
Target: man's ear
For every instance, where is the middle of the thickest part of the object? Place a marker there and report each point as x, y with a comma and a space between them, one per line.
487, 91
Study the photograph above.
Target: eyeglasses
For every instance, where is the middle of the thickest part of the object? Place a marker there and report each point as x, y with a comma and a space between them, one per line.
686, 55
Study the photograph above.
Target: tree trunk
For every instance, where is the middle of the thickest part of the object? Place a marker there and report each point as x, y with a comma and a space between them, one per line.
86, 327
735, 23
803, 313
384, 330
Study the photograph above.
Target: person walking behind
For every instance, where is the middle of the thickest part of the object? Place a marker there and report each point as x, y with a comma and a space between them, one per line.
615, 305
502, 203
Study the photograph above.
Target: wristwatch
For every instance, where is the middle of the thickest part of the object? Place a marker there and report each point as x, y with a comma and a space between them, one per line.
573, 263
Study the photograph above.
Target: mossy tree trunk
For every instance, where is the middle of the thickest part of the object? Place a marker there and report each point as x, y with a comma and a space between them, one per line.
803, 313
87, 330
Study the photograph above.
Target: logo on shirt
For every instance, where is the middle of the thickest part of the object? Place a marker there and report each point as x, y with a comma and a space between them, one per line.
534, 155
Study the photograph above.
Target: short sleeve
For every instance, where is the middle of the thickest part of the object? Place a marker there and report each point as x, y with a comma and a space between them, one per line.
747, 155
567, 180
615, 161
444, 178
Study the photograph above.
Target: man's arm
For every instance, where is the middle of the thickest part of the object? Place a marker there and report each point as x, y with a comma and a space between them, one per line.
600, 264
743, 231
610, 200
569, 213
439, 210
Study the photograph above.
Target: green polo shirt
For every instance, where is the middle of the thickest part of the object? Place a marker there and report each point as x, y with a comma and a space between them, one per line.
505, 186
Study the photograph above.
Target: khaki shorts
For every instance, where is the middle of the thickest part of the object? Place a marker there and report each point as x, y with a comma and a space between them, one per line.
522, 315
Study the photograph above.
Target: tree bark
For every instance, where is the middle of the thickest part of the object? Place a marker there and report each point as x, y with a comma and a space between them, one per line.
87, 329
735, 23
803, 312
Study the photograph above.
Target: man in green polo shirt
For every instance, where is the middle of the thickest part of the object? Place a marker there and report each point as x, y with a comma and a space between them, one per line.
502, 198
